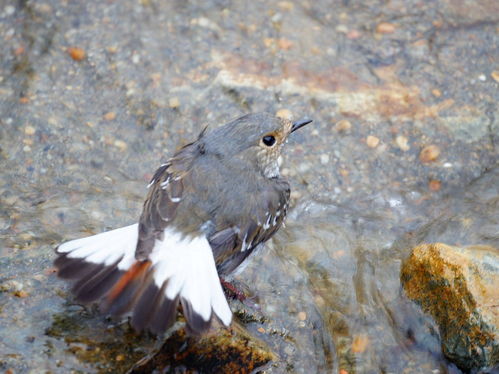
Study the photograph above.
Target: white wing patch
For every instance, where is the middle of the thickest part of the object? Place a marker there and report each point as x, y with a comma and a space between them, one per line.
187, 265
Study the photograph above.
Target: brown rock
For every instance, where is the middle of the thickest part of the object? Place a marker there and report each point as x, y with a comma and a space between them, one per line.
372, 141
223, 351
29, 130
434, 185
385, 28
429, 153
109, 116
343, 125
286, 5
459, 287
174, 103
353, 34
76, 53
19, 51
436, 92
284, 44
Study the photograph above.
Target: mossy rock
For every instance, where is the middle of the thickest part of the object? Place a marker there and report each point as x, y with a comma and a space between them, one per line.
459, 287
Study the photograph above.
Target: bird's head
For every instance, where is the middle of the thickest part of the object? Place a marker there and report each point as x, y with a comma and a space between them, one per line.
256, 138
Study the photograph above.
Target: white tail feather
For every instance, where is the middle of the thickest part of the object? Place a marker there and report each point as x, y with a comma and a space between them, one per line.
105, 248
185, 262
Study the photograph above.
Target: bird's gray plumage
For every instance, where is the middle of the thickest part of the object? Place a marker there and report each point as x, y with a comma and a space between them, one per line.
208, 183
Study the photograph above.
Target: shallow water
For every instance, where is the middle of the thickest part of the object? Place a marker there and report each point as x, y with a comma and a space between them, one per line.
80, 139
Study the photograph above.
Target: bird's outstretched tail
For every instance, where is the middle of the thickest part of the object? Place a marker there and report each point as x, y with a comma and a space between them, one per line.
180, 269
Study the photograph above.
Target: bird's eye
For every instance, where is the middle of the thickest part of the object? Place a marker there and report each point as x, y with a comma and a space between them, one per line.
268, 140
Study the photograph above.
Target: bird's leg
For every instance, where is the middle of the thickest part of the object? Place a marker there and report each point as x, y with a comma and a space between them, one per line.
233, 292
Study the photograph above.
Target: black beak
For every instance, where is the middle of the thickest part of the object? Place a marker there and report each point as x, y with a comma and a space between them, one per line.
299, 124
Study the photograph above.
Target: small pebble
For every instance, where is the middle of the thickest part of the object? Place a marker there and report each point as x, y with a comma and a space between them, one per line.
174, 103
372, 141
284, 44
385, 28
354, 34
436, 92
429, 153
120, 144
21, 294
120, 357
482, 77
304, 167
495, 75
276, 18
434, 185
261, 330
343, 125
342, 29
286, 5
324, 159
288, 350
302, 316
76, 53
9, 10
339, 254
11, 286
402, 143
24, 100
19, 51
284, 113
360, 343
135, 58
29, 130
268, 42
343, 371
109, 116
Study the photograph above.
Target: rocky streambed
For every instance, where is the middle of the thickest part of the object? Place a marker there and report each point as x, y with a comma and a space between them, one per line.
402, 156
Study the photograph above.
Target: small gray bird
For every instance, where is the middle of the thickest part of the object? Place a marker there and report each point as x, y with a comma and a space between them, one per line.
208, 208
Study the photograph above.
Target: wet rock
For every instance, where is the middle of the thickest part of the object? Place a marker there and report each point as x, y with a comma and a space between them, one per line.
459, 288
223, 351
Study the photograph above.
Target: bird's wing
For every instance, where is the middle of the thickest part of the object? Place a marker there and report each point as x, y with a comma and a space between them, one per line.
165, 194
231, 245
